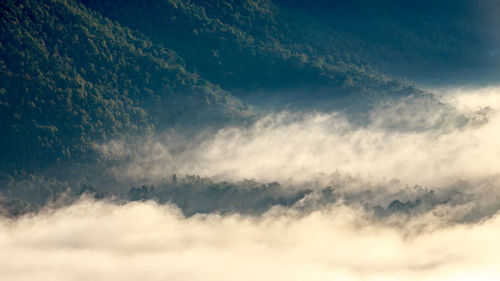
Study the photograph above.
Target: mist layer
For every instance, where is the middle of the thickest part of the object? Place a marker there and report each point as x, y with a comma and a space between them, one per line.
145, 241
415, 140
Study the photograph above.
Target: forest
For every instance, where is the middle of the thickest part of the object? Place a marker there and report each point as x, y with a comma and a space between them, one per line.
77, 74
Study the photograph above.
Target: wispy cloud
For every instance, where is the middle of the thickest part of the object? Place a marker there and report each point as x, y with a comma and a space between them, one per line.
414, 140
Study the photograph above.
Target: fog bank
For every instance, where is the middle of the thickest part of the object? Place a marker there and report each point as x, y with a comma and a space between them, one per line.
145, 241
415, 140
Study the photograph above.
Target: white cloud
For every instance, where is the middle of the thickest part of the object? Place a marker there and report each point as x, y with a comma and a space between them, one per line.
144, 241
431, 151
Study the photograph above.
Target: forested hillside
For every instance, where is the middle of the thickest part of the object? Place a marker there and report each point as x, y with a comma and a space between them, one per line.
249, 46
244, 140
75, 74
432, 41
70, 77
275, 45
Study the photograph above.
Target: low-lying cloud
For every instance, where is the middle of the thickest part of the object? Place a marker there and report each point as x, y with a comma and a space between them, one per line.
145, 241
412, 195
415, 140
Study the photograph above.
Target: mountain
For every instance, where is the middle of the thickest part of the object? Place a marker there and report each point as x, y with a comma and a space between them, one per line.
77, 73
433, 42
247, 46
70, 78
276, 45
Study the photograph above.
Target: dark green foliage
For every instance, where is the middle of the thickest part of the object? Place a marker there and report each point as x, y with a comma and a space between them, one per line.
36, 189
15, 208
142, 193
441, 42
194, 194
397, 206
70, 78
246, 46
77, 73
309, 45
